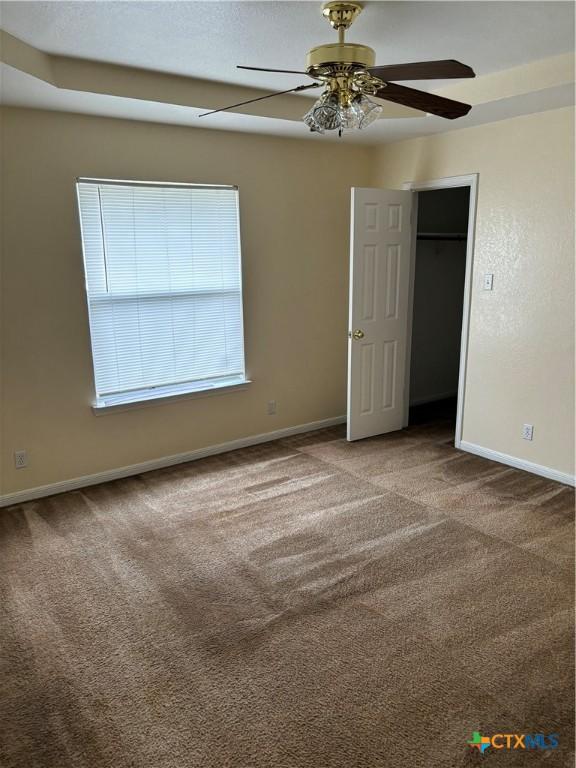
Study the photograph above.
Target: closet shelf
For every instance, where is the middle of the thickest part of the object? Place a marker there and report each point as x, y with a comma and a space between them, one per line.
441, 236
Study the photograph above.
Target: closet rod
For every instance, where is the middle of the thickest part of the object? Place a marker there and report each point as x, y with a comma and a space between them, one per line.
441, 236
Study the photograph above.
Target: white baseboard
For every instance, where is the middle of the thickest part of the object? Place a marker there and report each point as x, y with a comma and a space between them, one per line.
512, 461
180, 458
167, 461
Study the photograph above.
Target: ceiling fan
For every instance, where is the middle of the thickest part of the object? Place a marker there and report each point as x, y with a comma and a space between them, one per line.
349, 76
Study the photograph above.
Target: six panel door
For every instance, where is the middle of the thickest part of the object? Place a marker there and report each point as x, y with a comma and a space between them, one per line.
378, 324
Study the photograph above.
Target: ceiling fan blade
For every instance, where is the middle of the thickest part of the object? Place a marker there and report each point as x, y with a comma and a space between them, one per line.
260, 98
423, 70
263, 69
427, 102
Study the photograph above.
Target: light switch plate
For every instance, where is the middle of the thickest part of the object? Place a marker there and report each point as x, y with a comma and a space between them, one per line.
488, 281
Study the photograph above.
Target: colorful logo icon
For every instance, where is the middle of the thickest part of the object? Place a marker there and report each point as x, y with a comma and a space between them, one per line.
514, 741
480, 742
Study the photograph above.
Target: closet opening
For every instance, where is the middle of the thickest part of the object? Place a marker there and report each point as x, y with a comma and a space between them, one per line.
439, 277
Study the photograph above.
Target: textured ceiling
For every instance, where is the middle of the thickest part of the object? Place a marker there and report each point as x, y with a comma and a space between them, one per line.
208, 40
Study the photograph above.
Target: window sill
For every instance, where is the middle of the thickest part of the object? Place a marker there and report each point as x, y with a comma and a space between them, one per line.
166, 398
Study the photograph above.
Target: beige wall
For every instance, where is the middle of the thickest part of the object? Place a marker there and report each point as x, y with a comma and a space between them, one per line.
294, 198
521, 346
295, 222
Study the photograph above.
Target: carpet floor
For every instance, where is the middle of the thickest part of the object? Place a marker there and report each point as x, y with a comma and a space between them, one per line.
307, 603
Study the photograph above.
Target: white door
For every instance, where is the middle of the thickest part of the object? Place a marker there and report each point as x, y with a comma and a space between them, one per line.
378, 325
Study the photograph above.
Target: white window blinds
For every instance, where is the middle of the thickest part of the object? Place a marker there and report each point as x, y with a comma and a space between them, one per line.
163, 278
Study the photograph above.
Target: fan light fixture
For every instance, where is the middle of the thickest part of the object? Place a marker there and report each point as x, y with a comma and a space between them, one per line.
349, 77
344, 105
328, 114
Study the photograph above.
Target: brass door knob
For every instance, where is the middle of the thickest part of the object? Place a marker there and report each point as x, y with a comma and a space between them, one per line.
358, 334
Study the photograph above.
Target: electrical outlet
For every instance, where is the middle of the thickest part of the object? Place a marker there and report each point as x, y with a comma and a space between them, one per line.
271, 410
20, 459
527, 431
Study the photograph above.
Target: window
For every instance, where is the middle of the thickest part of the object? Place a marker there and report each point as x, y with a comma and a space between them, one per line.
163, 279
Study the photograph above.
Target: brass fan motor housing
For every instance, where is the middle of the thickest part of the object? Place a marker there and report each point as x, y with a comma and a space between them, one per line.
337, 55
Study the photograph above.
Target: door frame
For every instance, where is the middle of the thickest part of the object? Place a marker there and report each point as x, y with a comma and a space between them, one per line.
471, 181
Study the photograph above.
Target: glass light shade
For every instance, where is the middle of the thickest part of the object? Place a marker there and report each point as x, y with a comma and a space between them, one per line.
327, 114
351, 117
324, 115
368, 110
